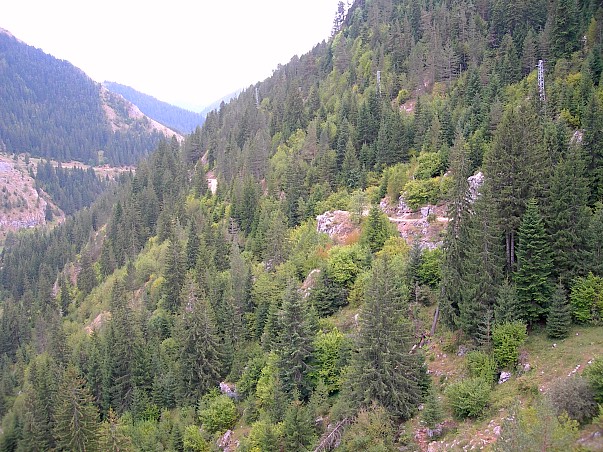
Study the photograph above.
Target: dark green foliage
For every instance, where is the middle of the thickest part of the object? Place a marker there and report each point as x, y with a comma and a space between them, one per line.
298, 428
468, 398
201, 359
575, 397
53, 110
559, 318
327, 296
534, 266
174, 117
174, 276
376, 230
433, 412
383, 370
506, 308
76, 418
294, 343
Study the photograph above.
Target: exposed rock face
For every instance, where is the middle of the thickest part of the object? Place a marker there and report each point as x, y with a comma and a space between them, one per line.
229, 390
504, 377
337, 224
475, 183
310, 282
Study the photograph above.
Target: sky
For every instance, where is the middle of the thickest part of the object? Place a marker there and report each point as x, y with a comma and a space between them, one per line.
186, 52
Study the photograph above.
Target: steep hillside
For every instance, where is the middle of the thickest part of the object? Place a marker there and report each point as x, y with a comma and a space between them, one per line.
399, 220
171, 116
51, 109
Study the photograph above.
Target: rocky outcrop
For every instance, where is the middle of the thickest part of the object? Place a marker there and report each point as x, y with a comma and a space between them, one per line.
475, 183
337, 224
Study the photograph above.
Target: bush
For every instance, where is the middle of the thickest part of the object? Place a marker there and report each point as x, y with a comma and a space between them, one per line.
575, 397
468, 398
430, 164
586, 299
481, 365
217, 413
594, 375
507, 338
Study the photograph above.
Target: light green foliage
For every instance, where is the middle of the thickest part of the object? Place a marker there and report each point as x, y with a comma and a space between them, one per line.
419, 192
339, 200
330, 353
594, 375
481, 365
305, 243
429, 164
468, 398
507, 338
345, 263
194, 441
251, 374
396, 177
430, 268
217, 413
372, 432
536, 428
263, 436
586, 299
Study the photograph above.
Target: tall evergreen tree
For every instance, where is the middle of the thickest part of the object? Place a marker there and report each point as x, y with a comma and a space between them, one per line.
559, 317
174, 275
295, 343
383, 369
76, 417
200, 354
534, 265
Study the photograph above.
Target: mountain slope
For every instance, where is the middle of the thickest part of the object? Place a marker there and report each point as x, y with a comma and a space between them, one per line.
174, 117
52, 109
164, 294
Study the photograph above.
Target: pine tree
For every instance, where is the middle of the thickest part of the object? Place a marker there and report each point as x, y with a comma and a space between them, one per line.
433, 413
559, 318
383, 370
113, 440
376, 230
534, 263
193, 243
76, 417
298, 427
200, 354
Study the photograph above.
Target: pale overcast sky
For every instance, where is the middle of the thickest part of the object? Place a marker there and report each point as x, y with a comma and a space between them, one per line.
185, 52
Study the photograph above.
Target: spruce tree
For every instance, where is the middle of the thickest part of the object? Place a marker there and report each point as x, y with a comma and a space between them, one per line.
559, 317
174, 275
76, 418
569, 217
534, 263
383, 370
433, 413
200, 354
506, 308
295, 343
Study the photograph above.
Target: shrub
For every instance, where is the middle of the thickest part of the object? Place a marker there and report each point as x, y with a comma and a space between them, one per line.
430, 164
507, 338
575, 397
586, 299
481, 365
468, 398
218, 413
594, 375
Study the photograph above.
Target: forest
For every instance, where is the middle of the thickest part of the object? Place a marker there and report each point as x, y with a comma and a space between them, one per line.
167, 317
51, 109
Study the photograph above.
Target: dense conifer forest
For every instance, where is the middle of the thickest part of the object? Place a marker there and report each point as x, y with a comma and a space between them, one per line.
176, 118
165, 315
53, 110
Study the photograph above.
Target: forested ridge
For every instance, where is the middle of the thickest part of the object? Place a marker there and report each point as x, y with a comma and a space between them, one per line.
163, 315
53, 110
176, 118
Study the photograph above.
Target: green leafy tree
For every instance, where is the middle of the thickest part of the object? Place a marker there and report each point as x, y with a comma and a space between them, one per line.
77, 426
217, 413
586, 299
507, 338
534, 266
383, 370
468, 398
372, 431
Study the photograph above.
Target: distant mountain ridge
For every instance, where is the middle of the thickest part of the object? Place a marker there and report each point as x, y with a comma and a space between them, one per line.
174, 117
52, 109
